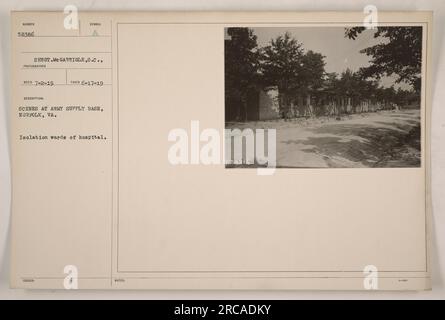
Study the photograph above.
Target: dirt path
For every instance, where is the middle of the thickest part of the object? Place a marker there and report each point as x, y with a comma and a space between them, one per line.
381, 139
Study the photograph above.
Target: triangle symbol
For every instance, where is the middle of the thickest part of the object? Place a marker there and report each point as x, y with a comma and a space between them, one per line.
95, 34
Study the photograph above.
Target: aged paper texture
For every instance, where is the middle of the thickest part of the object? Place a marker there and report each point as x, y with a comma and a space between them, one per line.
122, 127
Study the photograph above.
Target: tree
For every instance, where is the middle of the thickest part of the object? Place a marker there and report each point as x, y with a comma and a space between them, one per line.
281, 66
400, 54
241, 70
331, 86
285, 64
387, 96
312, 65
281, 62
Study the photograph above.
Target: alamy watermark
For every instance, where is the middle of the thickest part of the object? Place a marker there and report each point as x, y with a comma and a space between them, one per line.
371, 280
71, 20
372, 18
70, 281
243, 148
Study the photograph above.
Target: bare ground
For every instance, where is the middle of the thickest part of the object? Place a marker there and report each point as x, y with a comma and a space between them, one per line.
379, 139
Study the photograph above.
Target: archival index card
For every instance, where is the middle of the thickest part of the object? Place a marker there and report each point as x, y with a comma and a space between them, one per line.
212, 150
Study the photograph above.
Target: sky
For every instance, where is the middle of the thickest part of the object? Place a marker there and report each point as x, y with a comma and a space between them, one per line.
340, 52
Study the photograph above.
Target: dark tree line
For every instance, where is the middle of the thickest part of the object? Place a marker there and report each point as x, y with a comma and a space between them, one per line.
241, 68
305, 89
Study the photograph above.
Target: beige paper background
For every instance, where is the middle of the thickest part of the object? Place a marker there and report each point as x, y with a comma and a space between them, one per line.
210, 218
206, 218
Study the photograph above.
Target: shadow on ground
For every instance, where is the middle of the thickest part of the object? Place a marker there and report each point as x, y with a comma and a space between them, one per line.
379, 147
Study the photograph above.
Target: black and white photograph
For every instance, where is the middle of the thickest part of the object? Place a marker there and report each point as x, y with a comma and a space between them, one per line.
340, 97
220, 157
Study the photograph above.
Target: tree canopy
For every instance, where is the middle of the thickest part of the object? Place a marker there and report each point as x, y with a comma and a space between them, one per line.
400, 54
285, 63
300, 74
241, 60
241, 67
